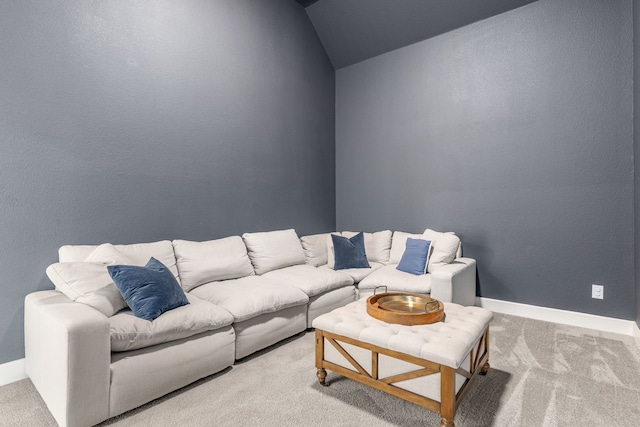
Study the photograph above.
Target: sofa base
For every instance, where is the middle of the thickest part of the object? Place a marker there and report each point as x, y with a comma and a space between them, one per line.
269, 328
329, 301
140, 376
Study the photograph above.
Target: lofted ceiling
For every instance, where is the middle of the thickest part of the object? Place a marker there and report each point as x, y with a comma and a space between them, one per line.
354, 30
306, 3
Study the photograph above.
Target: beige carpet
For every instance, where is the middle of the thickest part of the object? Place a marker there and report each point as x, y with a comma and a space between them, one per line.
542, 374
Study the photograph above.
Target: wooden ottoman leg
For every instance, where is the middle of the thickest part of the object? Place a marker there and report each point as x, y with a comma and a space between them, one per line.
485, 368
447, 396
321, 373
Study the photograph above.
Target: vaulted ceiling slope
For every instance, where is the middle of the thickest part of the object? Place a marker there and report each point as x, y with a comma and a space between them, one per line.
354, 30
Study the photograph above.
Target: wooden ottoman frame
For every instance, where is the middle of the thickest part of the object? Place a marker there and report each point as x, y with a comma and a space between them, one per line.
449, 399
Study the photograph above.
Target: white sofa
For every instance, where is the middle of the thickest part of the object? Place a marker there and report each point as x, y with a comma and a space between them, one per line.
91, 359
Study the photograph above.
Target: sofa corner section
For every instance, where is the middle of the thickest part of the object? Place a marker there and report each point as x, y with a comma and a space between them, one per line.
455, 282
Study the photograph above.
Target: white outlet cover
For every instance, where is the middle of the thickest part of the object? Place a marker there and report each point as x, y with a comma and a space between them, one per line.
597, 291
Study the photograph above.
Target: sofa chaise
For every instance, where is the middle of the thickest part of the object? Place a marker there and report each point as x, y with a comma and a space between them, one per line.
91, 358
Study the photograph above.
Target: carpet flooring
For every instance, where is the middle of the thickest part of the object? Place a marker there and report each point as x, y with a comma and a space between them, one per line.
542, 374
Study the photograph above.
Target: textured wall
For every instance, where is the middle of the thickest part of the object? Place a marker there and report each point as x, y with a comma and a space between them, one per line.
138, 121
636, 145
515, 132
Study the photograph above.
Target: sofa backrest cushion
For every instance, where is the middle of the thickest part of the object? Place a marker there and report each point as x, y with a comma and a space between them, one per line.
399, 244
88, 282
138, 253
377, 245
331, 256
211, 261
445, 248
315, 249
273, 249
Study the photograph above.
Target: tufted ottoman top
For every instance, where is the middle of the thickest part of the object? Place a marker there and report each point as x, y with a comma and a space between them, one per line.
447, 342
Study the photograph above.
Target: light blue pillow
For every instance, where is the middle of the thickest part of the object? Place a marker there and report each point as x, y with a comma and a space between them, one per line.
150, 290
415, 257
349, 253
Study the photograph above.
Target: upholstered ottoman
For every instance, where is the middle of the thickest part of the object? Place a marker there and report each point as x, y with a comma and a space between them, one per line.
431, 365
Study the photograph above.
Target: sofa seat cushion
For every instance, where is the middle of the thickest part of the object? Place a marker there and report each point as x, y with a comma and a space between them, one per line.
396, 281
129, 332
251, 296
311, 280
210, 261
357, 274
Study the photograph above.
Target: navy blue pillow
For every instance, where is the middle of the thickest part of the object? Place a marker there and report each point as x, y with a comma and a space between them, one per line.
150, 290
349, 253
415, 257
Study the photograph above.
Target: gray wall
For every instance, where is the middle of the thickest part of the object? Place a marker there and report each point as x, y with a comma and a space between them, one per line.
138, 121
515, 132
636, 145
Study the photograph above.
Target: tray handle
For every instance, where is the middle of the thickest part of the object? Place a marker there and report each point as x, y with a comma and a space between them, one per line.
381, 286
431, 306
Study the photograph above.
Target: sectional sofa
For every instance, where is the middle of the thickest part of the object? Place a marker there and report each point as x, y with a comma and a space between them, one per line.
91, 358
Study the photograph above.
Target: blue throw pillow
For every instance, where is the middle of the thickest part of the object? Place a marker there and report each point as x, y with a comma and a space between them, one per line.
150, 290
349, 253
415, 257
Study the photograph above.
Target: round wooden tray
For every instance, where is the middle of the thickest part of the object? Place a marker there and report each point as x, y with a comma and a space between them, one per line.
405, 309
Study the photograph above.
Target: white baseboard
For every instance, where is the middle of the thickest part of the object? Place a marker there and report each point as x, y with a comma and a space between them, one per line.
12, 371
573, 318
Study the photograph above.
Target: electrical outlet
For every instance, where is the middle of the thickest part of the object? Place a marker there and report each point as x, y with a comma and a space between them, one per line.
597, 291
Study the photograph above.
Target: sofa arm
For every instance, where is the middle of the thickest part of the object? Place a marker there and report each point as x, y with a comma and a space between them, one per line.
68, 354
455, 282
